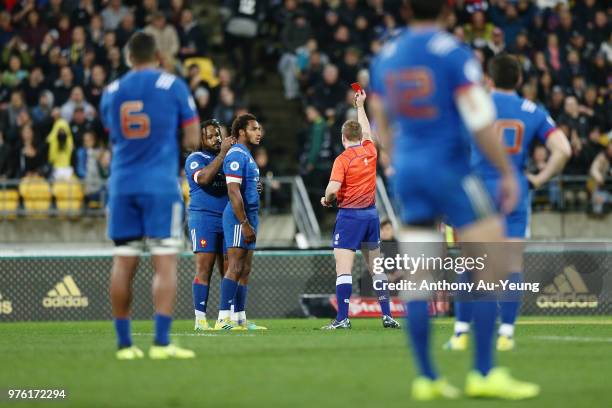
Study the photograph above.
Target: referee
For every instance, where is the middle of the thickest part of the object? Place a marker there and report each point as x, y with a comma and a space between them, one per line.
353, 185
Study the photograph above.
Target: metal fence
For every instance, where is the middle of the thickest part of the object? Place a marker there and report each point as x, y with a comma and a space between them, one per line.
575, 280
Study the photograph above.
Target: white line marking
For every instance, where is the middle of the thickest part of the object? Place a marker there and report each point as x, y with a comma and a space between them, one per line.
195, 334
575, 338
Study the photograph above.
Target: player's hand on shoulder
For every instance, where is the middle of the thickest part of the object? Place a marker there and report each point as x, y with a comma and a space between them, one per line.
248, 232
534, 181
227, 144
360, 98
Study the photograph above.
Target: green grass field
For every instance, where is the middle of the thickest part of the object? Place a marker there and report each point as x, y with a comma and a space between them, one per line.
293, 365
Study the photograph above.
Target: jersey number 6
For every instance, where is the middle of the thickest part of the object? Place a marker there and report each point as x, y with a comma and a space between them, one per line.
135, 124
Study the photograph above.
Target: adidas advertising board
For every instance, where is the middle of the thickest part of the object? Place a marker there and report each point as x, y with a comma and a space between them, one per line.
572, 280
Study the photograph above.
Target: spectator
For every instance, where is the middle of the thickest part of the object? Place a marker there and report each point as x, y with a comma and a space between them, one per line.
126, 29
113, 14
293, 37
15, 74
192, 38
30, 159
16, 46
6, 28
77, 46
77, 100
42, 111
176, 12
240, 33
79, 125
6, 159
328, 93
12, 118
34, 86
554, 54
61, 145
165, 36
89, 168
95, 85
224, 111
34, 30
116, 66
574, 119
600, 173
64, 31
82, 14
53, 12
497, 44
349, 66
63, 86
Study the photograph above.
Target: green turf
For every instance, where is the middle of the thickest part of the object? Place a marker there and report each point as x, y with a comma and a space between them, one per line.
293, 365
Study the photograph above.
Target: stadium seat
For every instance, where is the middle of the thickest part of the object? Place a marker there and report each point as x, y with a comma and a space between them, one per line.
207, 69
36, 196
68, 196
185, 190
9, 203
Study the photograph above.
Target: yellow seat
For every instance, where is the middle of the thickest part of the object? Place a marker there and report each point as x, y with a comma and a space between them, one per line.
185, 190
9, 203
207, 69
68, 196
36, 196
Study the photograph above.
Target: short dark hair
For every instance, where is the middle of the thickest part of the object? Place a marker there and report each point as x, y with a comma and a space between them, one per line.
241, 123
426, 9
385, 221
211, 122
142, 48
505, 71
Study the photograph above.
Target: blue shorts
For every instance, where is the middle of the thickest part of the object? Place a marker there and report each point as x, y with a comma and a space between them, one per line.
206, 232
132, 217
232, 230
517, 222
427, 194
356, 227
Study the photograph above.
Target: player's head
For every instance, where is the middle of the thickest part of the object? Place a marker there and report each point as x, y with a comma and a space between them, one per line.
386, 230
211, 135
505, 71
246, 129
141, 49
426, 10
351, 133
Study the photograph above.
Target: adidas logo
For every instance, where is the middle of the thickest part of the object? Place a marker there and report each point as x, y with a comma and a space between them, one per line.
65, 294
567, 290
6, 306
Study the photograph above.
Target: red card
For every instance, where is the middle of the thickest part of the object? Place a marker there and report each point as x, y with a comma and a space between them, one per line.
356, 87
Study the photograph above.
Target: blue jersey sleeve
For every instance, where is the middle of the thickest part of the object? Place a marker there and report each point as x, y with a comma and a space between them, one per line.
187, 107
465, 70
195, 163
105, 110
234, 167
546, 124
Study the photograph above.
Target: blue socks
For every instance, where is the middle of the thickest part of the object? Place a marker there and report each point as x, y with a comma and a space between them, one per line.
162, 329
463, 307
124, 336
511, 301
344, 288
240, 298
418, 330
382, 294
200, 296
228, 291
485, 313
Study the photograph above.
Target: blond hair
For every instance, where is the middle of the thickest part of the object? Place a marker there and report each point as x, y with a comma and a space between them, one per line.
351, 130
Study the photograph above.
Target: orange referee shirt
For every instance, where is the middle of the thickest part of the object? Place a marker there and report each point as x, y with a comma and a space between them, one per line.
355, 169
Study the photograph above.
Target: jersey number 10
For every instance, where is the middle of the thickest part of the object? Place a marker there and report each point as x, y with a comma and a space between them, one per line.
135, 124
517, 128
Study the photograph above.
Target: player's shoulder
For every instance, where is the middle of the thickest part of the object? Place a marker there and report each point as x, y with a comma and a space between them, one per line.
199, 156
443, 44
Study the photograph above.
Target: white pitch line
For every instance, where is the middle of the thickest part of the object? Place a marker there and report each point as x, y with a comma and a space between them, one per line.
196, 334
575, 338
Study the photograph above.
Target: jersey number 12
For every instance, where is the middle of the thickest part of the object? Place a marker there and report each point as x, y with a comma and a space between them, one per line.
135, 124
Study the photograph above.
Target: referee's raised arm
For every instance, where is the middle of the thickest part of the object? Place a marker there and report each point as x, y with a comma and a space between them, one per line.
362, 117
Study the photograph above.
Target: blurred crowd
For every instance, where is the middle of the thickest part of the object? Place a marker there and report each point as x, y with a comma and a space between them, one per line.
565, 49
58, 55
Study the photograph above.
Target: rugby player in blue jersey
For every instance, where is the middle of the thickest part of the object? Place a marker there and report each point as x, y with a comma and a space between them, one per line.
520, 124
240, 221
207, 200
427, 87
143, 111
